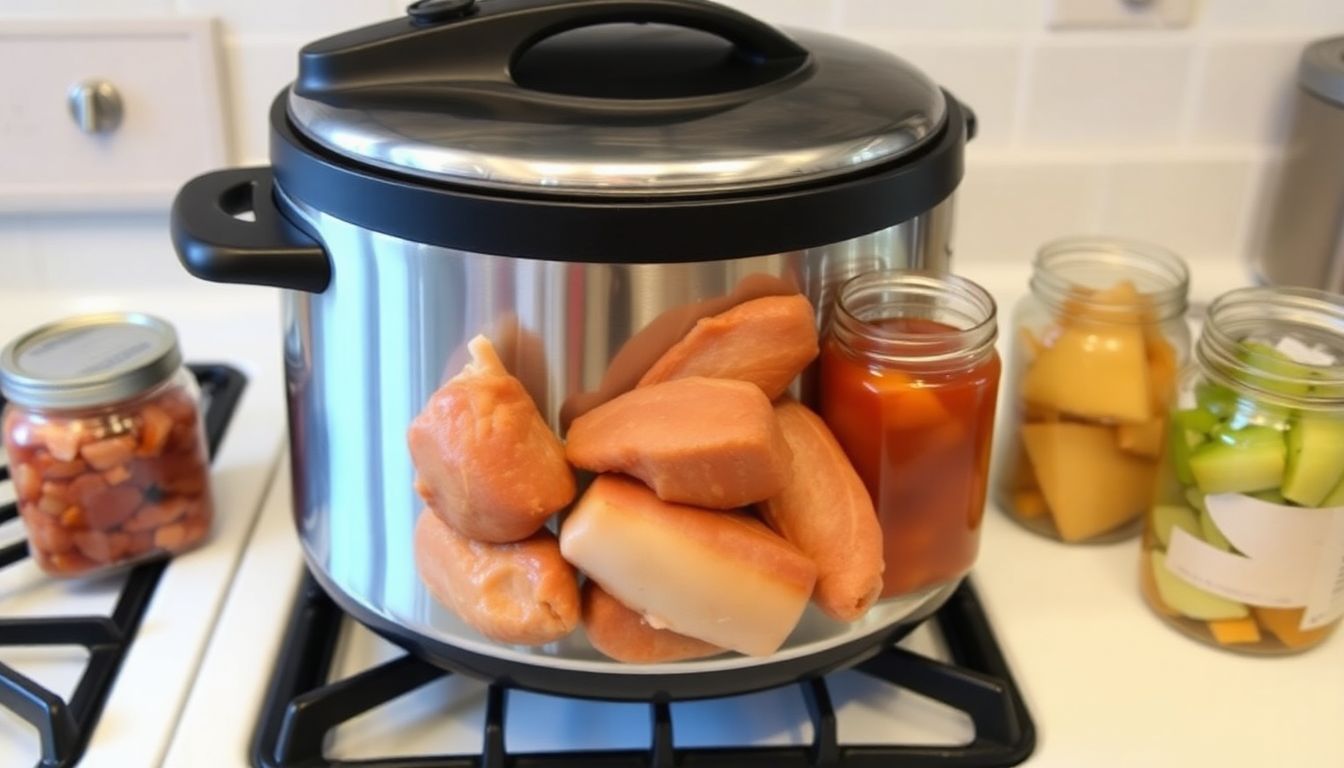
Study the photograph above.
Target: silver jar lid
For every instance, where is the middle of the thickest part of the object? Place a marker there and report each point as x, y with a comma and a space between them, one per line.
845, 107
89, 360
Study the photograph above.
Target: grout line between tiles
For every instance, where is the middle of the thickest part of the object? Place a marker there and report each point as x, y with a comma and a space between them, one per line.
1030, 43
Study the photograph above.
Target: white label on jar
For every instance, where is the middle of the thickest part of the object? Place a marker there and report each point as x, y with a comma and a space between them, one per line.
1290, 556
1325, 604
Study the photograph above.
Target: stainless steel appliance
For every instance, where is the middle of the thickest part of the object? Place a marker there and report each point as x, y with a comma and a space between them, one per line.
580, 180
1303, 240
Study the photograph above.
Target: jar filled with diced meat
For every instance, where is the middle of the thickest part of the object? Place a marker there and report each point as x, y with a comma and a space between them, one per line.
105, 442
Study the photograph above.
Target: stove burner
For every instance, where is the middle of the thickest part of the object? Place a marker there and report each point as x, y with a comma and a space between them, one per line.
65, 727
301, 707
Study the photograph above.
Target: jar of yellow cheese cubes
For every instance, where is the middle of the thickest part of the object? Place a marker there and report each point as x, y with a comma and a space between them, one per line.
1244, 543
1095, 353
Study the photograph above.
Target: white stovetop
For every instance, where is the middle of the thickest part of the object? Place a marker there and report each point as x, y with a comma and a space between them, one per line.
147, 697
1107, 683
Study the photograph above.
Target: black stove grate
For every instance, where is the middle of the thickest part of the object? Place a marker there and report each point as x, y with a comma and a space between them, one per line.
65, 727
301, 707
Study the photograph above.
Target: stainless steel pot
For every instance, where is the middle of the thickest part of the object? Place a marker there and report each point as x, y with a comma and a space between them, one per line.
518, 187
1301, 240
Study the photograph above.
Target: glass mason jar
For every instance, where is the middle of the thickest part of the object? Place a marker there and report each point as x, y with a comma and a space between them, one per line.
105, 442
1097, 345
909, 379
1244, 544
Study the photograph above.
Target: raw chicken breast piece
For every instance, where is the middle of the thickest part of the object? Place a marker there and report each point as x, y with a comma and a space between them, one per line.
486, 461
766, 341
709, 442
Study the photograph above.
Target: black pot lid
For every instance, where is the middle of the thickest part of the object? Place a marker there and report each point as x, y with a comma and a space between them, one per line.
608, 97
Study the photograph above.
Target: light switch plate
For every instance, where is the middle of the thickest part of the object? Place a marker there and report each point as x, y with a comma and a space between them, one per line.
167, 75
1119, 14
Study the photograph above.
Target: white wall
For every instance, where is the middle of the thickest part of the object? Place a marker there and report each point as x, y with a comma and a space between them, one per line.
1164, 135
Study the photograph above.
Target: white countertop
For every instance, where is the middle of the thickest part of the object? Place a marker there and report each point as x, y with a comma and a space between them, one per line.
1109, 684
1106, 681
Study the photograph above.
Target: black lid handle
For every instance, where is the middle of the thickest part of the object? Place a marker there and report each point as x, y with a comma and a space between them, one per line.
450, 47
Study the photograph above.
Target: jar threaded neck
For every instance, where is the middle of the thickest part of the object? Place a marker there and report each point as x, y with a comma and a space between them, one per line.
1239, 319
1068, 270
865, 304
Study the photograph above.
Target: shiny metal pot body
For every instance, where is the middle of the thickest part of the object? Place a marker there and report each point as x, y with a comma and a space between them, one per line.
579, 182
363, 356
1300, 242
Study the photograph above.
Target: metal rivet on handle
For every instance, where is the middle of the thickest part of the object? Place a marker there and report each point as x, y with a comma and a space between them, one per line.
95, 105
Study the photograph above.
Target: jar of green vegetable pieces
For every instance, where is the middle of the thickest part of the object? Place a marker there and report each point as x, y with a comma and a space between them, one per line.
1244, 544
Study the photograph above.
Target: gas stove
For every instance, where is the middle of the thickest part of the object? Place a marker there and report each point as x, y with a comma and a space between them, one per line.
320, 689
972, 713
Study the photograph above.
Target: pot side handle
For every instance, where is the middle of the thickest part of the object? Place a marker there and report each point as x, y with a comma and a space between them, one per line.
216, 240
972, 122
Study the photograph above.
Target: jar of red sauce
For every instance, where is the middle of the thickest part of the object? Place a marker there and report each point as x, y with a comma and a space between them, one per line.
909, 377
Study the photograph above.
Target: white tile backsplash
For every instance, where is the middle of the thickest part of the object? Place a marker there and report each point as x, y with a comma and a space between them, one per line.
1105, 91
1245, 89
102, 252
1157, 134
810, 14
1194, 207
1265, 185
984, 74
18, 268
119, 8
257, 70
310, 18
1321, 17
959, 15
1008, 205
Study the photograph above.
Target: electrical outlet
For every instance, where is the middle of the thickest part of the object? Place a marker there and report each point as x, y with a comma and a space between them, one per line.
106, 114
1119, 14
